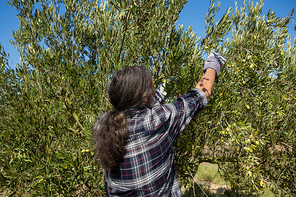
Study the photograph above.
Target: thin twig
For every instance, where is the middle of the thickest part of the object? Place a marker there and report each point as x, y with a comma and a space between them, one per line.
197, 184
122, 41
280, 176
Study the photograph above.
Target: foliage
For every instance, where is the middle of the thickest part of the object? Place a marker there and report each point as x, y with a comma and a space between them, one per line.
248, 127
69, 49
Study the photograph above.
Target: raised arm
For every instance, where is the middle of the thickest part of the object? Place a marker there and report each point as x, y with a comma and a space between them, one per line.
206, 82
213, 65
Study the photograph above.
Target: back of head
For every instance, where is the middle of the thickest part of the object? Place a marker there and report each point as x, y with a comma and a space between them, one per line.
127, 89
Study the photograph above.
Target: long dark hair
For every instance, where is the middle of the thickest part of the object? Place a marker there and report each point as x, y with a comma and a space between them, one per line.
127, 89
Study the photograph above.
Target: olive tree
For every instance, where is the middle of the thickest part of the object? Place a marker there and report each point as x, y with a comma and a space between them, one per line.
70, 49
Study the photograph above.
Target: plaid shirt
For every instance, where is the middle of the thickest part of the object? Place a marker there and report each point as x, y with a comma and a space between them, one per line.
148, 165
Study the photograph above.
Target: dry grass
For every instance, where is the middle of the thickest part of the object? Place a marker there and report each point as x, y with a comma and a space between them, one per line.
208, 182
209, 172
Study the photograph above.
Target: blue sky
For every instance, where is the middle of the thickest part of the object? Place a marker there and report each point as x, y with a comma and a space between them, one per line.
193, 15
195, 11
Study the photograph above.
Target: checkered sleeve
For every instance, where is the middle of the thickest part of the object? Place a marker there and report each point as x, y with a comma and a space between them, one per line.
184, 109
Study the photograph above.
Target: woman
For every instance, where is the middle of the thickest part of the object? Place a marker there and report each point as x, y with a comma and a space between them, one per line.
134, 141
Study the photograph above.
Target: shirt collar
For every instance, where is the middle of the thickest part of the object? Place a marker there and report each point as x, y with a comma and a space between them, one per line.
132, 112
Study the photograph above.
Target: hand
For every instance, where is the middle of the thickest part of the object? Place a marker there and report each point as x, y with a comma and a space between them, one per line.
215, 61
160, 90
